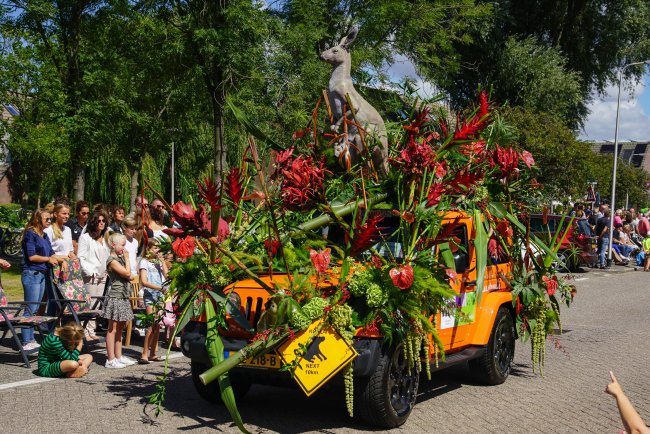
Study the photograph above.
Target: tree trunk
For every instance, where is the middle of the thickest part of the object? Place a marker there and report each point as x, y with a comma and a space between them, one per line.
79, 182
135, 174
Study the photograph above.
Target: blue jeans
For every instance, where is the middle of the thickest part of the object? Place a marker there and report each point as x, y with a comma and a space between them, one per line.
603, 244
34, 285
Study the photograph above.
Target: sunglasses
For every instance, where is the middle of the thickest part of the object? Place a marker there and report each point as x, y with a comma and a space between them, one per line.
84, 213
101, 221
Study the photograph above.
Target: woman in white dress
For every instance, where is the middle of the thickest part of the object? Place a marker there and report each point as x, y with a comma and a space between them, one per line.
93, 252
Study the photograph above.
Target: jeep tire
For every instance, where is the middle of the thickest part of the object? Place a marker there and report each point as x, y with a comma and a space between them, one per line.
211, 392
387, 397
493, 367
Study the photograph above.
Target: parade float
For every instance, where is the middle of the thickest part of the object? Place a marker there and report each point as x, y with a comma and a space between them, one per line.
369, 253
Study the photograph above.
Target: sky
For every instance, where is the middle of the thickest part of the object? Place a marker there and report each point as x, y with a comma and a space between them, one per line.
634, 113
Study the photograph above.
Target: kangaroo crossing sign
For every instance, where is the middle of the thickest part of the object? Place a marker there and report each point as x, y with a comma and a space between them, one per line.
327, 354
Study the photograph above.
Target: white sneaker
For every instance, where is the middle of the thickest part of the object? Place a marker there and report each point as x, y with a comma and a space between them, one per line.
114, 364
127, 361
31, 346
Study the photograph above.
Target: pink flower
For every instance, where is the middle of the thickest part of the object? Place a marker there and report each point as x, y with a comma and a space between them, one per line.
184, 247
506, 159
302, 183
551, 284
528, 159
272, 246
320, 259
402, 277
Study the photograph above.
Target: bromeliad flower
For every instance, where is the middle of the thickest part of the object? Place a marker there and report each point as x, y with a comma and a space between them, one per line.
504, 229
551, 284
415, 158
282, 161
234, 185
402, 277
184, 247
465, 180
320, 259
366, 236
435, 194
209, 192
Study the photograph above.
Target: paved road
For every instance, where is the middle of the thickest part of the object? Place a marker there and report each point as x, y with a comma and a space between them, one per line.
607, 328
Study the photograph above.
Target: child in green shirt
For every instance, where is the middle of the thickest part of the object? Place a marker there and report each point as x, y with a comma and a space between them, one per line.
59, 355
646, 251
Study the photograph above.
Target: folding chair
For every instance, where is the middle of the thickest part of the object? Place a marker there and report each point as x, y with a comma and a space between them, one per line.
11, 319
137, 306
72, 299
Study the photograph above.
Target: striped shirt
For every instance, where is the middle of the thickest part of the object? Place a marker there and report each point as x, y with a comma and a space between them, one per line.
50, 355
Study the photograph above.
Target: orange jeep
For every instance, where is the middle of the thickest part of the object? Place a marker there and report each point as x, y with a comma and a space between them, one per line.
385, 388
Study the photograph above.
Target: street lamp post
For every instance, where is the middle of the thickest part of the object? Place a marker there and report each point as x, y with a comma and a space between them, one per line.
613, 201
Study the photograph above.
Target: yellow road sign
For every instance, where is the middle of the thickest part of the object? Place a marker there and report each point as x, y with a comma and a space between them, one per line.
327, 354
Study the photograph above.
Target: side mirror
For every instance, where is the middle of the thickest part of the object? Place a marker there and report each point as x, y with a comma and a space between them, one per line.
460, 260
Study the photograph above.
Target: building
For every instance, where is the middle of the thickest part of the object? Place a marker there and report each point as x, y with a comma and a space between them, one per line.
8, 113
635, 153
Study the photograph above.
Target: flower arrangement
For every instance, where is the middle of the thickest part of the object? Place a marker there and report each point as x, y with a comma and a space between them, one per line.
386, 265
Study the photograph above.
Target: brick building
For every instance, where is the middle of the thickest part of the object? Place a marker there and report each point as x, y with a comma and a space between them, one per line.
635, 153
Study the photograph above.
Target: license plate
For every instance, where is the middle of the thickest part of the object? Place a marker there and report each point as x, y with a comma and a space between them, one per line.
270, 361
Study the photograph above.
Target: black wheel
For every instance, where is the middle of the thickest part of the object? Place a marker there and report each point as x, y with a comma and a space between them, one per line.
569, 261
211, 392
387, 397
12, 245
495, 364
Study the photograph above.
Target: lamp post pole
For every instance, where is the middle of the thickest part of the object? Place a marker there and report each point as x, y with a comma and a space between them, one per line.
613, 201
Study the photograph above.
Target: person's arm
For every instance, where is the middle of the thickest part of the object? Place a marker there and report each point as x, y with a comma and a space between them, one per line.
30, 250
631, 419
119, 269
83, 254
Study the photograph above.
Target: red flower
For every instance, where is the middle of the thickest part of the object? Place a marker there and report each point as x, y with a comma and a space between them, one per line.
519, 307
441, 170
192, 221
415, 158
365, 236
300, 134
528, 159
223, 230
209, 192
551, 284
234, 185
272, 247
504, 229
303, 183
376, 261
477, 147
435, 194
321, 259
402, 277
282, 160
444, 127
465, 180
484, 104
453, 276
184, 247
495, 250
418, 122
507, 160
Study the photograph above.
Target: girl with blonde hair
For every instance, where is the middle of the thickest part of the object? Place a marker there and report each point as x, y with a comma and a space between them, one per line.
59, 354
60, 235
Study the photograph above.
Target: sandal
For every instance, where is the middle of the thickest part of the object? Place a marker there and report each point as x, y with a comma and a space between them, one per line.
156, 358
142, 361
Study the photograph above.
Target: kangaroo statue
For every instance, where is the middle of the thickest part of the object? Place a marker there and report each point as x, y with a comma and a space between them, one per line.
366, 115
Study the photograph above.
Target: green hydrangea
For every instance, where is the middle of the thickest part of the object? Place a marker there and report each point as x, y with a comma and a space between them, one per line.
315, 308
341, 319
359, 282
375, 296
299, 321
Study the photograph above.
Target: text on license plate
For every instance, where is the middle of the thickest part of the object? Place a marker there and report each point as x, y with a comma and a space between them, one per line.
271, 361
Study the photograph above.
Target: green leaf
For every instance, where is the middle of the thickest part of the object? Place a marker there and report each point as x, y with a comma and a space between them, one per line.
447, 256
215, 349
250, 126
480, 247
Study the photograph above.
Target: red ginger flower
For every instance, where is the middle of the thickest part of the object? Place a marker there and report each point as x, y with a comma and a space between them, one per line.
365, 236
465, 180
234, 186
184, 247
528, 159
507, 160
282, 160
272, 247
415, 158
402, 277
303, 183
320, 259
504, 229
551, 284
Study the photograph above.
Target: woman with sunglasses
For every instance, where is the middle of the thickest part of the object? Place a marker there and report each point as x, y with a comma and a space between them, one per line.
38, 258
93, 252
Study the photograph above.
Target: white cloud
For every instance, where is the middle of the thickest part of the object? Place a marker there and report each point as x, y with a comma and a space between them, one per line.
634, 122
402, 68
